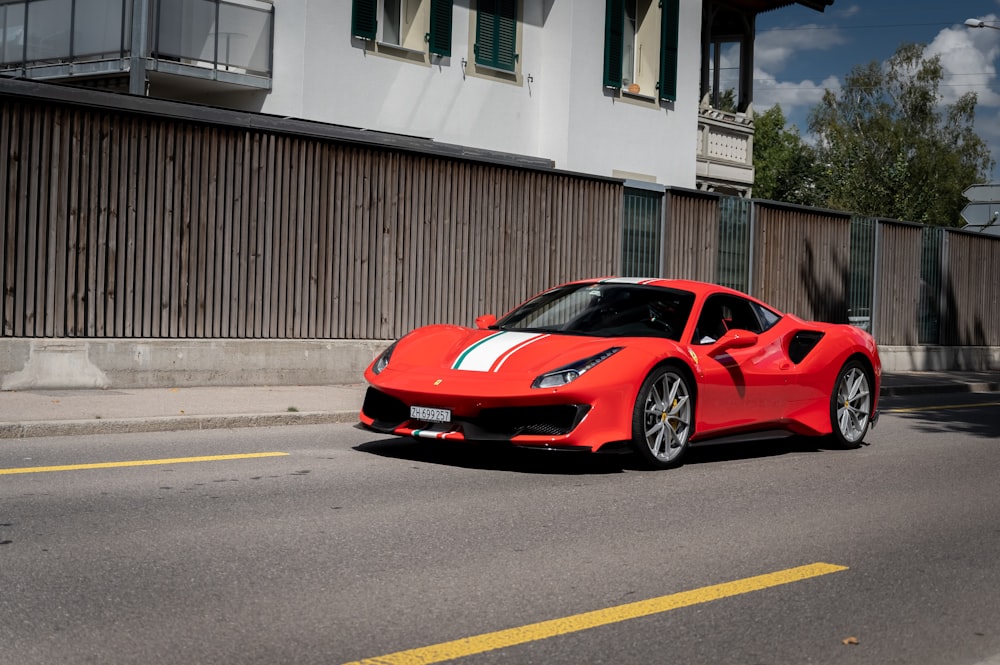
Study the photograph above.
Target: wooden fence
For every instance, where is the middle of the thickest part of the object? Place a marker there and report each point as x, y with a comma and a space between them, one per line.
897, 312
118, 224
125, 217
924, 285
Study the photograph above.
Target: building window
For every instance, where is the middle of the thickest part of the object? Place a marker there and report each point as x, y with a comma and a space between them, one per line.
416, 25
496, 34
724, 70
727, 57
640, 47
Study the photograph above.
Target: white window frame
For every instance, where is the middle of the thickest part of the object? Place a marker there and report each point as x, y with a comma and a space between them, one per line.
641, 47
413, 24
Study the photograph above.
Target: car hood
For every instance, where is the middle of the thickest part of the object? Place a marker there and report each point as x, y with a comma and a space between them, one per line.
506, 353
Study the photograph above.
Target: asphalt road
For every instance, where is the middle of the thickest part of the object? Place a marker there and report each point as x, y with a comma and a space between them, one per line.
349, 546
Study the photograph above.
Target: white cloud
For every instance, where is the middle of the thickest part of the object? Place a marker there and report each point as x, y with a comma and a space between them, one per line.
774, 48
792, 96
851, 10
968, 57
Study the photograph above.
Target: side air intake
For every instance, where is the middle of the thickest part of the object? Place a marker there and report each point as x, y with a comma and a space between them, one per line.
802, 345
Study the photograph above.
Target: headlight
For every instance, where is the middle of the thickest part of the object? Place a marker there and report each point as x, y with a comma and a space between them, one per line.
573, 371
383, 360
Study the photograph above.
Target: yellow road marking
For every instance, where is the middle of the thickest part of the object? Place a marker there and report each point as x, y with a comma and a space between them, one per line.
144, 462
914, 409
539, 631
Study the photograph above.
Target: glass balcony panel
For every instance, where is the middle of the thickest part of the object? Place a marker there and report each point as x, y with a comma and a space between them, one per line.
11, 34
98, 28
39, 33
244, 38
49, 30
187, 30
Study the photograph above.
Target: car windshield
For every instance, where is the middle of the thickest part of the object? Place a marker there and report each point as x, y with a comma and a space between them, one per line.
604, 309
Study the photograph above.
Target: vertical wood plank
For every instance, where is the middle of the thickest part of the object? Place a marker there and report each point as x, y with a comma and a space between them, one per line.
8, 214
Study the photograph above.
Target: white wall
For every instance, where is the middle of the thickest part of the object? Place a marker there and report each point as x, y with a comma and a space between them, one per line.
563, 113
608, 133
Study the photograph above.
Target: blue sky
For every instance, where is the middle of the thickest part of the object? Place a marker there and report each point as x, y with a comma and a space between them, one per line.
800, 52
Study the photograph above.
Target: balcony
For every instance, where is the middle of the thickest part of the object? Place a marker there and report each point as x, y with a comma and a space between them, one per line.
226, 41
725, 151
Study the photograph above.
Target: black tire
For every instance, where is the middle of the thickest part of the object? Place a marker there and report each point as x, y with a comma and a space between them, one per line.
851, 405
663, 418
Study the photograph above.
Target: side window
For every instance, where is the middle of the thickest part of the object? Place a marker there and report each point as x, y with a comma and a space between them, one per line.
722, 313
640, 47
766, 317
496, 34
414, 25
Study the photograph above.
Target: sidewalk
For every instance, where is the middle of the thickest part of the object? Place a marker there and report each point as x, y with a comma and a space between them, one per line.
77, 412
34, 413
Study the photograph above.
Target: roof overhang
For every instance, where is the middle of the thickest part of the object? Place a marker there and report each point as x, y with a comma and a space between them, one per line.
759, 6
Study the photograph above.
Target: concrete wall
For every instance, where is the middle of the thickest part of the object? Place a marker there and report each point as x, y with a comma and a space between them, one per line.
27, 364
939, 358
130, 363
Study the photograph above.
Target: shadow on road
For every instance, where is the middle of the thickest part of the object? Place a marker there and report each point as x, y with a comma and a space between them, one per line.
503, 457
956, 414
499, 457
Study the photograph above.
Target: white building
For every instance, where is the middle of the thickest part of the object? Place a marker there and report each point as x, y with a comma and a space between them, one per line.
623, 88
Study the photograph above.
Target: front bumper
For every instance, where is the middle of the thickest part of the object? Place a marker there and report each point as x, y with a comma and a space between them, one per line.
548, 425
558, 420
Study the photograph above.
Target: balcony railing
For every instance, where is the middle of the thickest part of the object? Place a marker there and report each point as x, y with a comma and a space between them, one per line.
60, 38
42, 32
229, 36
725, 150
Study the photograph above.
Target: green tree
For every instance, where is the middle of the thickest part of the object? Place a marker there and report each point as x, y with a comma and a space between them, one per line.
889, 147
784, 165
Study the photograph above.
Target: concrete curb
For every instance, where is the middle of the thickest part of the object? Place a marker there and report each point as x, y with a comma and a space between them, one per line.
22, 430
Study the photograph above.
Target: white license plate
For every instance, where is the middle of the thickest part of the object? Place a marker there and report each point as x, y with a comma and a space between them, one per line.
430, 415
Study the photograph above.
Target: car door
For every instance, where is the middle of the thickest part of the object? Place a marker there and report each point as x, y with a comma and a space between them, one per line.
742, 376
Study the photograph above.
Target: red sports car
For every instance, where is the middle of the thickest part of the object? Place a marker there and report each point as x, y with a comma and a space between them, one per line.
658, 364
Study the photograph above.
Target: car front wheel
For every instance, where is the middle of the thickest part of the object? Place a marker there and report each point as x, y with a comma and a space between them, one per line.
663, 419
851, 405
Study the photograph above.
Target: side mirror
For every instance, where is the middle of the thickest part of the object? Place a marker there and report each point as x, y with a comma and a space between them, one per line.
485, 321
735, 339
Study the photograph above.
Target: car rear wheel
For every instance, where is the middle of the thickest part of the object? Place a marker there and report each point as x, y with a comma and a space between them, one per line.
662, 421
851, 405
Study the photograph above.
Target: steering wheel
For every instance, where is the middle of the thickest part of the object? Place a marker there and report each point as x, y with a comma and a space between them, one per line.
658, 320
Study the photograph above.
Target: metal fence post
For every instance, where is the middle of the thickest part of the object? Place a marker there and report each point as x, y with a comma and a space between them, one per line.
943, 306
876, 270
751, 247
139, 47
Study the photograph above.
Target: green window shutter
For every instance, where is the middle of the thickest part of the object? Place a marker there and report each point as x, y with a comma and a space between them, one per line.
669, 23
439, 36
614, 35
364, 19
496, 34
